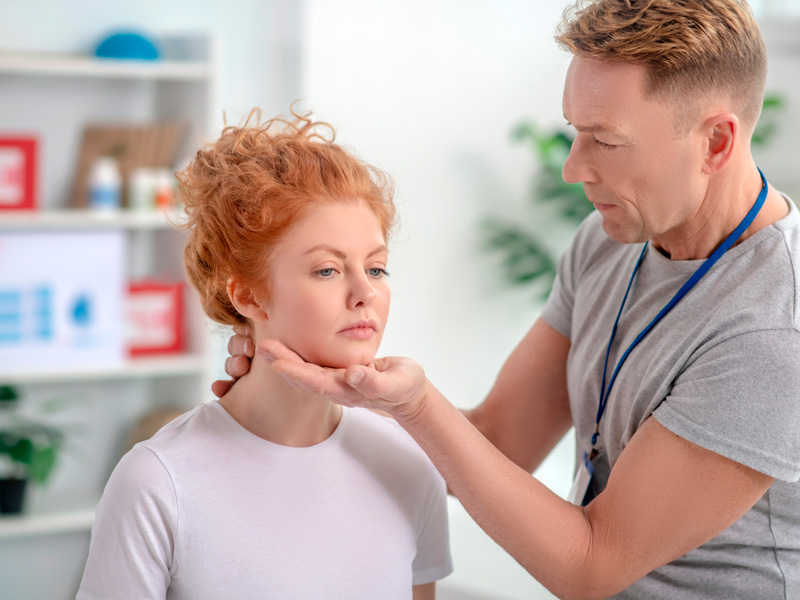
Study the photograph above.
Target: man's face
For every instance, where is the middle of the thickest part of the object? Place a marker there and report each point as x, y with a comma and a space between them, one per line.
644, 179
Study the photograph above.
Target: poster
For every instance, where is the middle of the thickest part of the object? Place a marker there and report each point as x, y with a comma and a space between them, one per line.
61, 300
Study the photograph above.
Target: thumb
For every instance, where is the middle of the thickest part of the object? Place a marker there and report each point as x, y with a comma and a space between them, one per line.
355, 376
369, 382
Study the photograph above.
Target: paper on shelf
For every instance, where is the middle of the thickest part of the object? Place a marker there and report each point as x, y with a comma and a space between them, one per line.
61, 299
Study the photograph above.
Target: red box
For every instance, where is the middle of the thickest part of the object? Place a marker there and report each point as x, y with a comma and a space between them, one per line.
154, 318
17, 173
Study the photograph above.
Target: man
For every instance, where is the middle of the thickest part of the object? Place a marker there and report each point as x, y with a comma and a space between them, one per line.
689, 420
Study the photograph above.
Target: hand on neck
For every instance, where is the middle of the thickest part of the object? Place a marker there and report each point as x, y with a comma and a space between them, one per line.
271, 408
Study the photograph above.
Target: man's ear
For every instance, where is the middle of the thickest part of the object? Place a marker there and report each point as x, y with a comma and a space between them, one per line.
245, 301
722, 137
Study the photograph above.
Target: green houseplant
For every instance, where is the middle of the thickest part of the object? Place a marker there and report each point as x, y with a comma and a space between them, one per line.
28, 451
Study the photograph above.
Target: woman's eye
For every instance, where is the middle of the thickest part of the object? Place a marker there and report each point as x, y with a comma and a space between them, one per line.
326, 272
377, 272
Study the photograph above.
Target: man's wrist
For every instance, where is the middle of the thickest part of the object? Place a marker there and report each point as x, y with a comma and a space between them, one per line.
413, 412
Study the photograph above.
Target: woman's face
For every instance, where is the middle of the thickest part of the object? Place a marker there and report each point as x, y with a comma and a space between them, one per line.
329, 297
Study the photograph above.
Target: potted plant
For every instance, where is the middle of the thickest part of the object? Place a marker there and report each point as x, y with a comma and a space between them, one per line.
28, 451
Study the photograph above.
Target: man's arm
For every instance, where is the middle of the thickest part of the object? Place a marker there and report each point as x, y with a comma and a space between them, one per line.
665, 495
424, 591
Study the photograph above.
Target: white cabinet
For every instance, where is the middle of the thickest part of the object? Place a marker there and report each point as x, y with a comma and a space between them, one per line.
53, 98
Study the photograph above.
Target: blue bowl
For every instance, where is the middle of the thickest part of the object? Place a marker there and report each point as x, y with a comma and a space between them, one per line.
127, 45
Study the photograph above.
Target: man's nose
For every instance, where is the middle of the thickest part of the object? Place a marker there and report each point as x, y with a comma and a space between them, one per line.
578, 167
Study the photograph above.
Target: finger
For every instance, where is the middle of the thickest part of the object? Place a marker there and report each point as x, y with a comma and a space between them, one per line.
237, 366
368, 382
315, 379
221, 387
272, 350
240, 344
309, 377
241, 329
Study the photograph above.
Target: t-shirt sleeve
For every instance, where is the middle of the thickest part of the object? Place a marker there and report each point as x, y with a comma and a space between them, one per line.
433, 561
557, 311
740, 399
133, 536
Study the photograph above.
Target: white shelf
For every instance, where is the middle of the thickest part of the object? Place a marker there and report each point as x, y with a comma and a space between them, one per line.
137, 368
88, 219
91, 67
16, 526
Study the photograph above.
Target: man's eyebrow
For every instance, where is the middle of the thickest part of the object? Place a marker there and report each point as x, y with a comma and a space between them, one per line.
338, 253
599, 128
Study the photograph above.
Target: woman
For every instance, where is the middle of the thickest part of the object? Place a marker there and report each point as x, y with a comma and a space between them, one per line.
272, 492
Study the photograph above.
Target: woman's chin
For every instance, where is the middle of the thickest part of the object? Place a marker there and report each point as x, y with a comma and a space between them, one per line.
342, 362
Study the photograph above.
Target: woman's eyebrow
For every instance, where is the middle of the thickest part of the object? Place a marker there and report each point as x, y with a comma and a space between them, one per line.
338, 253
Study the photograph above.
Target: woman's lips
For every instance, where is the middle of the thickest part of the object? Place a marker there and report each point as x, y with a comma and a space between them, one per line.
362, 330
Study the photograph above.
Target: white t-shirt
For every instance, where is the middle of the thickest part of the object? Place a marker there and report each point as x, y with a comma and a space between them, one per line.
207, 510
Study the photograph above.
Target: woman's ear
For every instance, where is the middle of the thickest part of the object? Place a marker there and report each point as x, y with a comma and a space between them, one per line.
722, 136
245, 301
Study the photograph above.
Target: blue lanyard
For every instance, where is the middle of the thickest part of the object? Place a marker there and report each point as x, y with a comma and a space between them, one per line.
696, 276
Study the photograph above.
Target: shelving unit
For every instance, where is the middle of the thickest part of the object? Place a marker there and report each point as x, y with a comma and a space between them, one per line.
64, 521
53, 97
39, 65
83, 219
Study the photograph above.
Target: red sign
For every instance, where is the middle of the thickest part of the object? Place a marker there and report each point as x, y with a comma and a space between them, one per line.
155, 318
17, 173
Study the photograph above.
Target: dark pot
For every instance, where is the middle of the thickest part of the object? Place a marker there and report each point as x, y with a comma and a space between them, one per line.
12, 493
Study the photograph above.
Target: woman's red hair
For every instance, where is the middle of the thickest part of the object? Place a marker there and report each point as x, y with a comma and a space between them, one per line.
243, 192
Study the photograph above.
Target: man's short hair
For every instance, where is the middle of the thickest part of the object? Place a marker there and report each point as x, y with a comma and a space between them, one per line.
693, 50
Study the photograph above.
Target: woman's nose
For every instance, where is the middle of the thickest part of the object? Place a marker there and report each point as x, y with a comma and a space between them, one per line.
362, 293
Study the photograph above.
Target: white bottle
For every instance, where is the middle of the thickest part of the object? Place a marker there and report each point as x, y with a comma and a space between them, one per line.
105, 184
141, 189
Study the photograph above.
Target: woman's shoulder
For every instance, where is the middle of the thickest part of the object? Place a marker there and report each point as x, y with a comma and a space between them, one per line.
380, 435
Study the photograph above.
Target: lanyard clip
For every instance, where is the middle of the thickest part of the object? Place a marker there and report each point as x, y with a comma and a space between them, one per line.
594, 452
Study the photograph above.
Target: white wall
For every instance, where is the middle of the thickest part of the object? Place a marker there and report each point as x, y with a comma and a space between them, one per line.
259, 37
429, 91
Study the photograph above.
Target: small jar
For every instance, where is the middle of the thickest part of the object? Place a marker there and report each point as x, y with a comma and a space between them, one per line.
105, 184
165, 188
141, 189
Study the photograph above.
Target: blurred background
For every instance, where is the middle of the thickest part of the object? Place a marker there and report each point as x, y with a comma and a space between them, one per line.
460, 101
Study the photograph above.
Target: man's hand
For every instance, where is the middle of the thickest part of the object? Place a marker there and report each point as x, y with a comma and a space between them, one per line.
241, 349
394, 385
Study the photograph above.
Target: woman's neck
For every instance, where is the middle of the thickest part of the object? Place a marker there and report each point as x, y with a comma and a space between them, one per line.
268, 406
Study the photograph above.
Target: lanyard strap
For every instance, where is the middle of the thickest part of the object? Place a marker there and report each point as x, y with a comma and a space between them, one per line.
696, 276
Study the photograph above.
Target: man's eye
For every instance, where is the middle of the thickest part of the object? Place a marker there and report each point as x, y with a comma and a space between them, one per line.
604, 146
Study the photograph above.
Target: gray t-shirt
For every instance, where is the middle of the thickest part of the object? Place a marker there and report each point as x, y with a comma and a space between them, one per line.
722, 370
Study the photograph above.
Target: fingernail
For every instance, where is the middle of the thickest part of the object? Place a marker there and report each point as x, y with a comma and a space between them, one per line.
248, 346
355, 378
